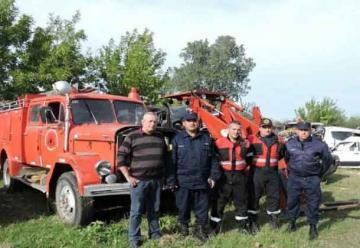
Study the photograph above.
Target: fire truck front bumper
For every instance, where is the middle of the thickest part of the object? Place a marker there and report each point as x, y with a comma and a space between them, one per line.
106, 189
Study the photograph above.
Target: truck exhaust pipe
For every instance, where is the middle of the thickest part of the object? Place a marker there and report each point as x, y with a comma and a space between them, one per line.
67, 123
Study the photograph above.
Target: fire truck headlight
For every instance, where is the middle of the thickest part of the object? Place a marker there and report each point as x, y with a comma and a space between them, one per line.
103, 168
111, 178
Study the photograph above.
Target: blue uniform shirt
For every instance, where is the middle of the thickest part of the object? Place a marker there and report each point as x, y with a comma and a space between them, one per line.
193, 161
310, 157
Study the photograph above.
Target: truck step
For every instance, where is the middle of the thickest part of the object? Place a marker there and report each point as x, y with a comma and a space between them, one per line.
35, 175
30, 170
37, 186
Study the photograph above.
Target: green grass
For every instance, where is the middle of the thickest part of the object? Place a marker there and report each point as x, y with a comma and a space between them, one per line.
24, 222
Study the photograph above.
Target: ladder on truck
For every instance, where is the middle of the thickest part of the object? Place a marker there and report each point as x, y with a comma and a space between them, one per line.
12, 105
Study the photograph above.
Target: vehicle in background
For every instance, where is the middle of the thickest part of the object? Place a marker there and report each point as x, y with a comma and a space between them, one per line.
334, 135
348, 152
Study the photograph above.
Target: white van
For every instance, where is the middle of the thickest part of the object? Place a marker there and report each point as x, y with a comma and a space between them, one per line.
334, 135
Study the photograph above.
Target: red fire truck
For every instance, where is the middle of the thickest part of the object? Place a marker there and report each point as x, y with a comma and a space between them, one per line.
64, 144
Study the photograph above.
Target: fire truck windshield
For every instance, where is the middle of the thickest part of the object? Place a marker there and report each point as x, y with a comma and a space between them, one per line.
92, 111
129, 112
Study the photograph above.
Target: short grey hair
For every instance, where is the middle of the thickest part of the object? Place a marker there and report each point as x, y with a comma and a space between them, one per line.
150, 113
234, 123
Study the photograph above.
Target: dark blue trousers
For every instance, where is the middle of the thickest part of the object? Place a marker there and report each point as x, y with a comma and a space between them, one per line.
311, 186
196, 199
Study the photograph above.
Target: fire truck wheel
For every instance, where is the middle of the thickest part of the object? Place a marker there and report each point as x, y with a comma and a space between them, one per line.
70, 206
10, 184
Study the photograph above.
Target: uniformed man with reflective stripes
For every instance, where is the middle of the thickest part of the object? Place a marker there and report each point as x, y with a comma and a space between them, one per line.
232, 152
265, 152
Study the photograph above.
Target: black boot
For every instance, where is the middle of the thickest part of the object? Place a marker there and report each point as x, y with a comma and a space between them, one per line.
215, 227
201, 233
274, 221
292, 226
184, 230
253, 225
244, 226
313, 233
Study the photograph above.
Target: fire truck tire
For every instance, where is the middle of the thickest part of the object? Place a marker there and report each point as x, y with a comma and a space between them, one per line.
10, 184
70, 206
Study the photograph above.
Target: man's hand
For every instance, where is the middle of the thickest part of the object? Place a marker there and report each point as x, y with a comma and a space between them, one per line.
133, 181
211, 183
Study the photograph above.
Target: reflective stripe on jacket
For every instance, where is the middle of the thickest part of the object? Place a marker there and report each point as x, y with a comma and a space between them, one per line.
264, 154
232, 155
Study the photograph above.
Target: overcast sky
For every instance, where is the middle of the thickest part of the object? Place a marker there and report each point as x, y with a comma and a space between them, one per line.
302, 48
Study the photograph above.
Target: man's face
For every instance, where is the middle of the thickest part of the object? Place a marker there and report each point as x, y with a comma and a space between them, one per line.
234, 131
191, 125
265, 131
149, 123
303, 134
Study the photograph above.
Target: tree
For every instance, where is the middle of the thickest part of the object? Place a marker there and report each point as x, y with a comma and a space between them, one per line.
325, 111
135, 62
14, 34
52, 54
353, 122
221, 66
34, 58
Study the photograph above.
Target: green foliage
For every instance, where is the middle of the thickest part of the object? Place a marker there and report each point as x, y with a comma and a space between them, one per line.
34, 58
53, 54
135, 62
14, 34
101, 234
221, 66
353, 122
325, 111
168, 225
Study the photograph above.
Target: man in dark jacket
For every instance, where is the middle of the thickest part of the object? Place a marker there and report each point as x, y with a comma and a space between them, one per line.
265, 150
308, 159
141, 160
194, 171
232, 185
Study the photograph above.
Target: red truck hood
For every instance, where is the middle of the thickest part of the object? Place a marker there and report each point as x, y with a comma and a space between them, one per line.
93, 132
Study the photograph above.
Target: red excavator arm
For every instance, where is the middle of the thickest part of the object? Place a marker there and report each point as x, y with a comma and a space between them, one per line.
216, 111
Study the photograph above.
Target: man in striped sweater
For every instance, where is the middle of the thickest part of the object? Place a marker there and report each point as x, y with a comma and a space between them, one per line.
141, 160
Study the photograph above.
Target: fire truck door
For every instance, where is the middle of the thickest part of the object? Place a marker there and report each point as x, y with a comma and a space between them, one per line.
31, 136
52, 134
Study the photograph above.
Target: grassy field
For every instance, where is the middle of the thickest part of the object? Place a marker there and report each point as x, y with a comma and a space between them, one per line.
24, 222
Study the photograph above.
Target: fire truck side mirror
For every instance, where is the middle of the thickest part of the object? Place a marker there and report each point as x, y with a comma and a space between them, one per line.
47, 115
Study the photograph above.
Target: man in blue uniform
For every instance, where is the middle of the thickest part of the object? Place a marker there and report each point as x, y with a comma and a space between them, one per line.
194, 171
308, 159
